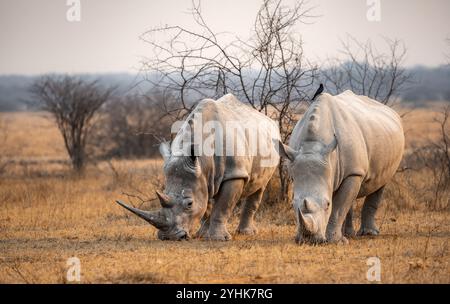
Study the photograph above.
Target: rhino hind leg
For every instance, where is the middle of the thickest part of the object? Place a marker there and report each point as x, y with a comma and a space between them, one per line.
204, 223
230, 192
247, 222
204, 227
370, 207
348, 229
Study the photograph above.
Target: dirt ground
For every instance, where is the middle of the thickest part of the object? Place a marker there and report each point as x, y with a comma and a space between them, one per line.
49, 215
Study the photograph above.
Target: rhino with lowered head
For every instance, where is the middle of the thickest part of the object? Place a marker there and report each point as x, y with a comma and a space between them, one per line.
222, 153
345, 147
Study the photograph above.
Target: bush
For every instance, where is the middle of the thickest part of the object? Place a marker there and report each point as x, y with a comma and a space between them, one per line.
133, 126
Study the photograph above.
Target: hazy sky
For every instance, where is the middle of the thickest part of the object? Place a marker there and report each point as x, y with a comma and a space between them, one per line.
35, 36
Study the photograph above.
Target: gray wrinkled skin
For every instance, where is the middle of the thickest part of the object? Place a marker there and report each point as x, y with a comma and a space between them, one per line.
206, 187
345, 147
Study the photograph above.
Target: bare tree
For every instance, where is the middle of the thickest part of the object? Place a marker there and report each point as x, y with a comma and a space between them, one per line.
366, 71
73, 103
268, 71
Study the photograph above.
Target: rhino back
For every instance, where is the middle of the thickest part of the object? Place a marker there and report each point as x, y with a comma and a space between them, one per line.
236, 117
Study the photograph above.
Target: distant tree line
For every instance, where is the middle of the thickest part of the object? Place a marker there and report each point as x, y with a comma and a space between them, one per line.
426, 84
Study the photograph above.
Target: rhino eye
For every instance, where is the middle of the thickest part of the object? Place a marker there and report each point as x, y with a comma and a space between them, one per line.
188, 204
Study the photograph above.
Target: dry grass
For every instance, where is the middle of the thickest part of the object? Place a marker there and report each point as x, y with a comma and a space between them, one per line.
48, 216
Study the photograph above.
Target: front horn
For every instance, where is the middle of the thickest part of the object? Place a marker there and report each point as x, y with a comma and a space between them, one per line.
152, 217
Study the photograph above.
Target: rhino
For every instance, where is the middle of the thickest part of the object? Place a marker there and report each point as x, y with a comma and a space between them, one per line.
345, 147
234, 159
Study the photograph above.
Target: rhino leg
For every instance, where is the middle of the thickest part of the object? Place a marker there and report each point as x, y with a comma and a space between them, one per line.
230, 192
204, 223
342, 202
348, 229
368, 212
247, 223
204, 227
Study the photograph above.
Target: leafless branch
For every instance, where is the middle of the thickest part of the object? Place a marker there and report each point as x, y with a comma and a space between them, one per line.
366, 71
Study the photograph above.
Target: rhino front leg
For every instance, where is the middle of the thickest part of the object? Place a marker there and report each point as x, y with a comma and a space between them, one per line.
348, 229
247, 222
368, 212
230, 192
342, 202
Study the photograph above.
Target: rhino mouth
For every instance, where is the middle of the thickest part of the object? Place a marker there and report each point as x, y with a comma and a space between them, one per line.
308, 238
179, 235
182, 235
307, 230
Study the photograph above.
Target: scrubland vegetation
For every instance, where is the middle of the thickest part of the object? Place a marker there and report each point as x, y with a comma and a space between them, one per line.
50, 214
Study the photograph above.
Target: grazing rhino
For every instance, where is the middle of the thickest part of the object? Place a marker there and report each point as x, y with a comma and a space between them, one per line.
234, 159
345, 147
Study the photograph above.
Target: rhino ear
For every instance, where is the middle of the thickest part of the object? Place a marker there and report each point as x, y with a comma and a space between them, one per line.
193, 155
164, 149
286, 151
193, 163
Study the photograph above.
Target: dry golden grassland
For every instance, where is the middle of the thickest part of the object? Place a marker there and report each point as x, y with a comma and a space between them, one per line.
47, 215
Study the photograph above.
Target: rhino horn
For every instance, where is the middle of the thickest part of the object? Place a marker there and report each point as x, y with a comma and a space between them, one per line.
152, 217
310, 206
306, 222
164, 199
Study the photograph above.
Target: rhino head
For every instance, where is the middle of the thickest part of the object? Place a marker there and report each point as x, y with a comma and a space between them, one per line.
312, 173
184, 200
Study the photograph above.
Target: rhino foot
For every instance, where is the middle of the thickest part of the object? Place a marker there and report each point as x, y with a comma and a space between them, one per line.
341, 240
221, 235
248, 230
368, 231
349, 232
335, 236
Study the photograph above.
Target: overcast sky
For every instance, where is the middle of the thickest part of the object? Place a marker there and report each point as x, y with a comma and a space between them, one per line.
35, 36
